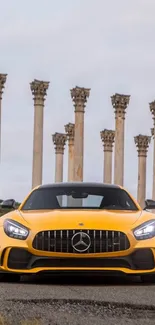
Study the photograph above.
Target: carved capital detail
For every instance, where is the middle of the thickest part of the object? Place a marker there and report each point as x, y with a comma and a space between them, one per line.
142, 143
108, 138
39, 90
59, 140
152, 109
3, 78
120, 103
70, 132
79, 96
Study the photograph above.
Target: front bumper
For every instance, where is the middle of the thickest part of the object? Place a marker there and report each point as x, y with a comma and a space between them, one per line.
21, 260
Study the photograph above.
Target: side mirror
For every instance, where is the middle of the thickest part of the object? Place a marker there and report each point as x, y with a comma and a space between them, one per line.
150, 205
8, 204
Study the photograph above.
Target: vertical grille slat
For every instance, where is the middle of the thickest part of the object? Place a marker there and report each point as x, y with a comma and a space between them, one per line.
49, 240
89, 247
94, 241
100, 241
106, 240
36, 241
55, 244
67, 241
60, 241
113, 247
43, 234
119, 241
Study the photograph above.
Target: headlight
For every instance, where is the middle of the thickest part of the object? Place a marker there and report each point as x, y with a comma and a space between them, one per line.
15, 230
145, 231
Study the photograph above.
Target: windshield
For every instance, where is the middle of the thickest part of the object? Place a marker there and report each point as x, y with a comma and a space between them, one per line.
79, 198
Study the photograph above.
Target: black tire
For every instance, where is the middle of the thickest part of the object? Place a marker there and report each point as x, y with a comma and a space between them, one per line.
9, 277
148, 278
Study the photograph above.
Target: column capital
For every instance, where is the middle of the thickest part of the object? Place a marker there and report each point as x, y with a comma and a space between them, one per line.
152, 132
70, 132
59, 140
152, 109
3, 77
39, 90
142, 143
120, 103
79, 96
108, 138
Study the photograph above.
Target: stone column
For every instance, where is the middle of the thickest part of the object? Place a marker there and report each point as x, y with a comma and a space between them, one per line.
79, 96
120, 103
107, 137
152, 132
2, 84
59, 140
152, 109
69, 129
39, 91
142, 144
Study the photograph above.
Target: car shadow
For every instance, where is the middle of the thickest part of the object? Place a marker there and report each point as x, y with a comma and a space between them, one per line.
82, 280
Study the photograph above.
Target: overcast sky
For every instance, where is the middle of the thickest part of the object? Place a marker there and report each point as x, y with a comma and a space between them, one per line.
105, 45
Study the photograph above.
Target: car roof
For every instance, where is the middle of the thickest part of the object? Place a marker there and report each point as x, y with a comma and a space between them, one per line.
78, 184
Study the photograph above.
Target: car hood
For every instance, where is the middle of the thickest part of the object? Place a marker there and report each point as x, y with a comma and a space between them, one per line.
75, 219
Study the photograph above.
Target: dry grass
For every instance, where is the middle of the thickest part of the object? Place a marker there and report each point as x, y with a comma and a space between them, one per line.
30, 322
3, 321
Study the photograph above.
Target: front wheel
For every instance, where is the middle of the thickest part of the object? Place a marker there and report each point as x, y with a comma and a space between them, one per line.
9, 277
148, 278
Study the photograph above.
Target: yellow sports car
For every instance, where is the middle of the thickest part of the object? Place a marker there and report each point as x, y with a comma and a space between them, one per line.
78, 228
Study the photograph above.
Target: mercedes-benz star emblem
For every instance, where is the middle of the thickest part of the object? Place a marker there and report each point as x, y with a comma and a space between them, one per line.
81, 242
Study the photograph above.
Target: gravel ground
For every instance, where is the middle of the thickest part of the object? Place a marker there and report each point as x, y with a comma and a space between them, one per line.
74, 312
80, 302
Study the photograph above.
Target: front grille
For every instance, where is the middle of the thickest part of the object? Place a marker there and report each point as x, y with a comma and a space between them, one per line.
101, 241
